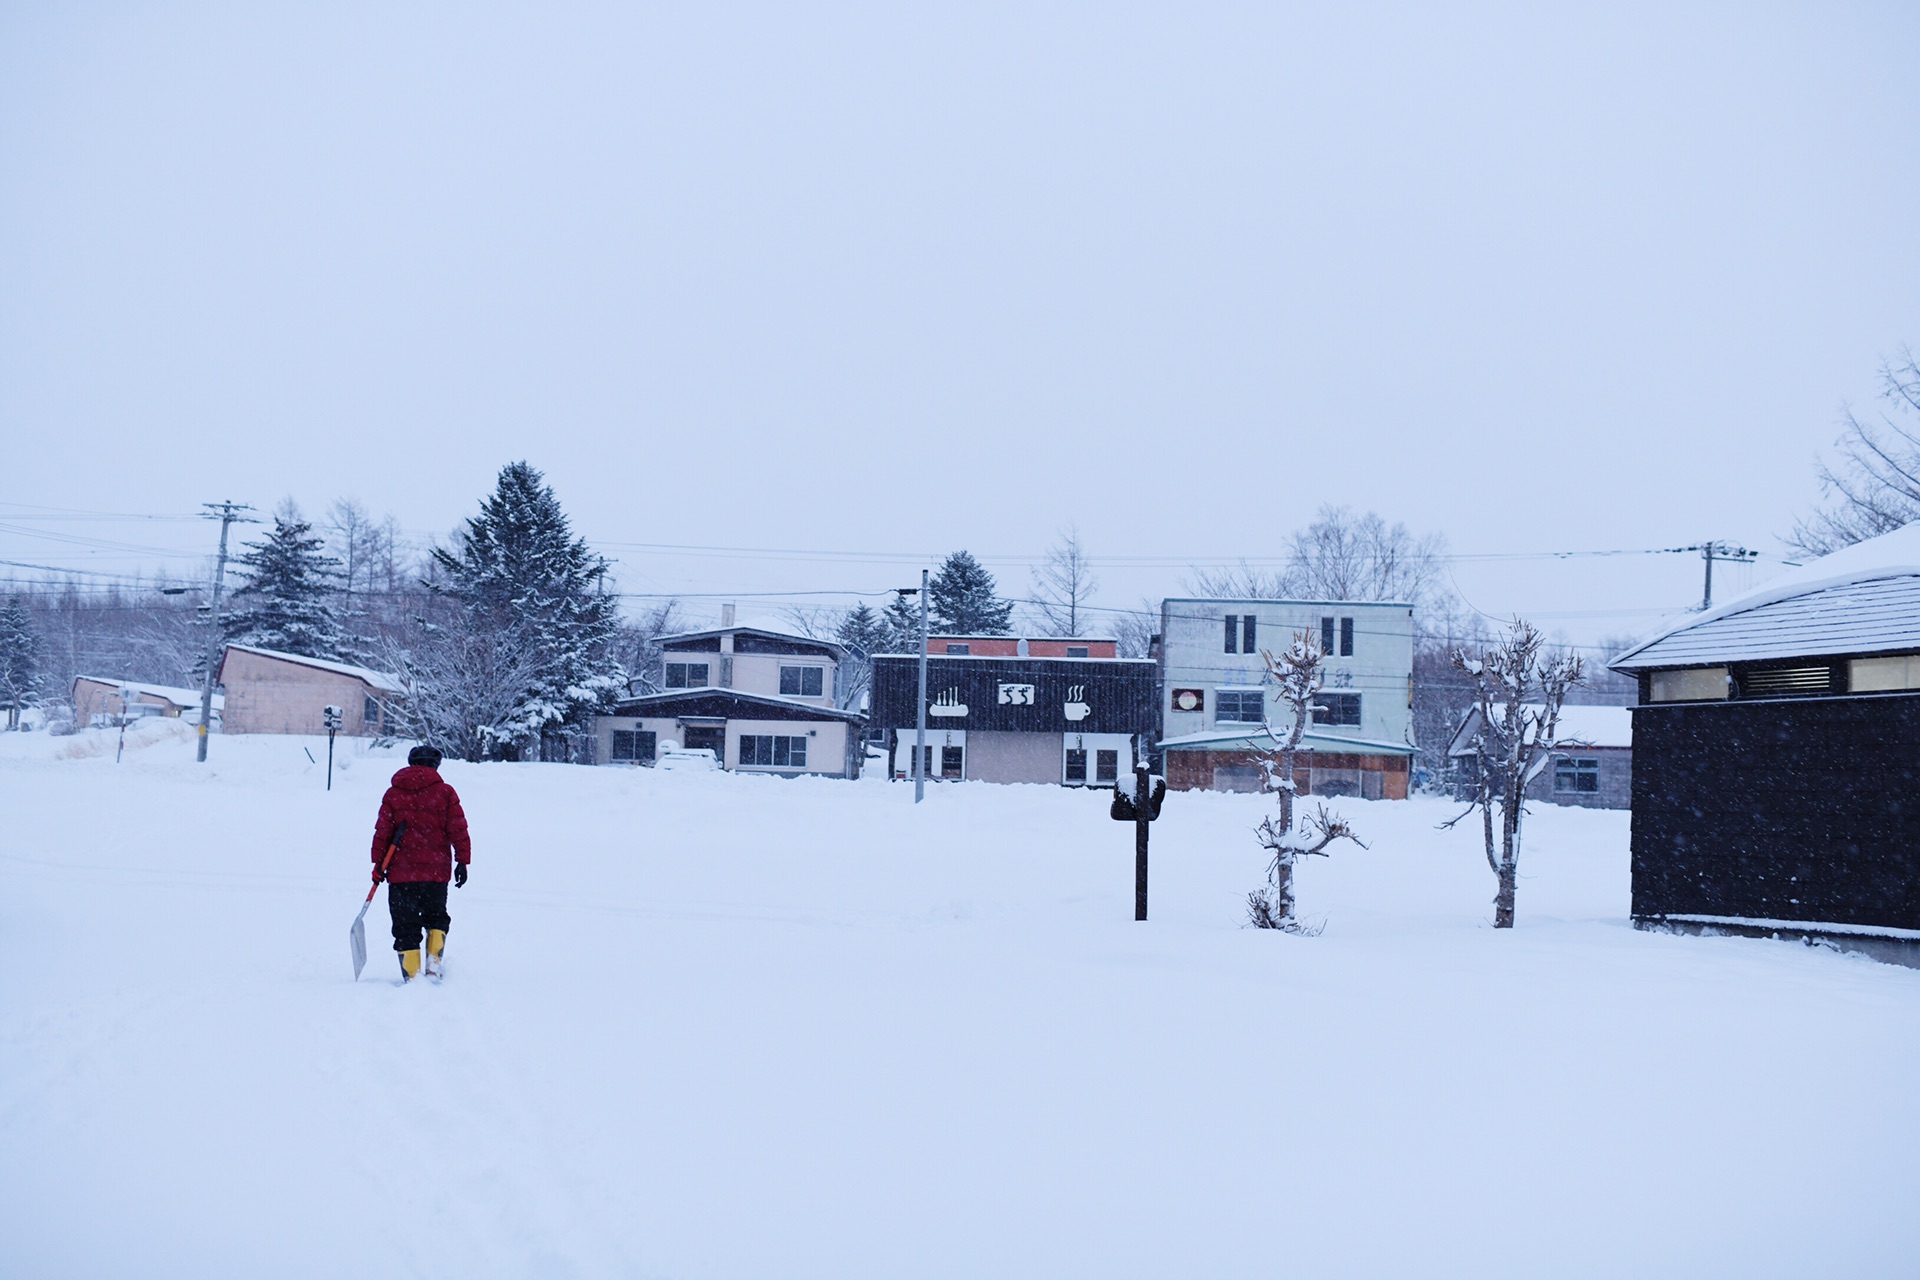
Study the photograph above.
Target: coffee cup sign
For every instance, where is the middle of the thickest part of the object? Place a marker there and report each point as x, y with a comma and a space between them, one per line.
1077, 707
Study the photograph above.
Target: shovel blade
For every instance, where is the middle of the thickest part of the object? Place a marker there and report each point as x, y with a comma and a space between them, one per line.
357, 939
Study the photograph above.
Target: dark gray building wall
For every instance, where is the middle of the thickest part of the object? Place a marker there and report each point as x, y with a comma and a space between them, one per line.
1796, 809
1615, 776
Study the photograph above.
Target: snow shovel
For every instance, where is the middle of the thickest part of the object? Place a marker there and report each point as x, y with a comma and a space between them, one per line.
357, 936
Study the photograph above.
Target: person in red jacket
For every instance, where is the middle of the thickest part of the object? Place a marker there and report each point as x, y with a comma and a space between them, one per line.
417, 877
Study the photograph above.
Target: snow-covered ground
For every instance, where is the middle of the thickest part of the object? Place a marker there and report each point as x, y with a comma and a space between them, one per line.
720, 1026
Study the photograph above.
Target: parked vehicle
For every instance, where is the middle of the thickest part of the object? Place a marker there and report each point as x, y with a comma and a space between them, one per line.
696, 759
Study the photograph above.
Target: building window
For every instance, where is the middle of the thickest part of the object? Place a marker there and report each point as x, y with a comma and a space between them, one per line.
1106, 765
1346, 637
687, 675
1883, 675
1336, 708
1233, 633
952, 761
1696, 684
1076, 765
1573, 774
1326, 635
1078, 651
768, 751
1239, 706
1241, 634
802, 682
961, 649
633, 746
370, 711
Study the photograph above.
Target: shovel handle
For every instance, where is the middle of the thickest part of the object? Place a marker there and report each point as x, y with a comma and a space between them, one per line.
393, 847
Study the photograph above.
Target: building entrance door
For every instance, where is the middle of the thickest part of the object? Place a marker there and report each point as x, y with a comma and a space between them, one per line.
713, 739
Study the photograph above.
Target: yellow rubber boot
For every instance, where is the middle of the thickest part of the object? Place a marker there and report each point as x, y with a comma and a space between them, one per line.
436, 947
409, 965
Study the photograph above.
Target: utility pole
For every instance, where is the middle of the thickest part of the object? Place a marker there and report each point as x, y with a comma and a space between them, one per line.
1711, 551
920, 727
228, 513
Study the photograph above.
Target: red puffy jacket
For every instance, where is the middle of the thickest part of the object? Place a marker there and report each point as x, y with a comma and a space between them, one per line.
435, 822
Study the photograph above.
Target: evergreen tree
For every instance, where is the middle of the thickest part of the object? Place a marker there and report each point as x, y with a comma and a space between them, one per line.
518, 566
902, 623
961, 597
864, 630
19, 660
286, 602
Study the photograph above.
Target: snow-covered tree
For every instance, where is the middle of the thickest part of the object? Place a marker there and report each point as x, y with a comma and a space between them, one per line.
902, 621
862, 633
1063, 587
1297, 673
286, 602
963, 602
518, 568
19, 660
1874, 487
1519, 688
463, 685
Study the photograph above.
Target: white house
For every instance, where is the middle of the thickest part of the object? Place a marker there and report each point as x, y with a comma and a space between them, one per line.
762, 699
1213, 695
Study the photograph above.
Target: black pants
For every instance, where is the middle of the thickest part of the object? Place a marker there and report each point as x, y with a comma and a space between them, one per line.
416, 907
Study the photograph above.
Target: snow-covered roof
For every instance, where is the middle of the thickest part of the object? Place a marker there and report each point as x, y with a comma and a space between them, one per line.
624, 705
377, 679
172, 693
1861, 599
1256, 740
758, 627
1579, 726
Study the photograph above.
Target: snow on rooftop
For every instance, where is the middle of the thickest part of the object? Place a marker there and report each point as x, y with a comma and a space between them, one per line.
377, 679
1860, 599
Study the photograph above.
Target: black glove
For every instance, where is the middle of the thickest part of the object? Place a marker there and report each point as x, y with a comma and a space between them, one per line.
378, 875
459, 874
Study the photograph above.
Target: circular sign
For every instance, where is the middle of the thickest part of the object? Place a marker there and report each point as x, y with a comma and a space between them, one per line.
1186, 699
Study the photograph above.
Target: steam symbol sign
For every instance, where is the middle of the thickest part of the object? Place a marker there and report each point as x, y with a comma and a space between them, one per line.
1077, 708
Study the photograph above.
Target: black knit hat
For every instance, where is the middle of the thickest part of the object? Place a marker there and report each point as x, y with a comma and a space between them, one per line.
424, 755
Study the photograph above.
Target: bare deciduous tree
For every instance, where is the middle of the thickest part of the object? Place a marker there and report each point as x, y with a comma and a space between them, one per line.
1297, 672
1063, 587
1519, 688
463, 685
1340, 556
1874, 486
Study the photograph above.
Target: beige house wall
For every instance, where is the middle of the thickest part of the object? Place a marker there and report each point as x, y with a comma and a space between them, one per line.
94, 697
826, 739
271, 695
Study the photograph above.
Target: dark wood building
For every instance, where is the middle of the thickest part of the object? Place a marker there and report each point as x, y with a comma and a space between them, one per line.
1077, 722
1776, 781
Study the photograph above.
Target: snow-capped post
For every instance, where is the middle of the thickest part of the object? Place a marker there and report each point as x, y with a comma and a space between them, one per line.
331, 717
1298, 675
1519, 692
1139, 809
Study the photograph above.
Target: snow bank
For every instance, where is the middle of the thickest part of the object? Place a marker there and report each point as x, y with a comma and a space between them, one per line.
718, 1026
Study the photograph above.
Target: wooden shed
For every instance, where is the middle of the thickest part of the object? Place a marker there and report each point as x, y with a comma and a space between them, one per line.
1777, 758
272, 692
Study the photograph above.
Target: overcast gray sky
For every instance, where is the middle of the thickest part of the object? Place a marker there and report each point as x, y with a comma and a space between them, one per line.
904, 278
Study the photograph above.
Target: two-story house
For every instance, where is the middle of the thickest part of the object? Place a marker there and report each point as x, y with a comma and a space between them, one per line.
761, 699
1214, 697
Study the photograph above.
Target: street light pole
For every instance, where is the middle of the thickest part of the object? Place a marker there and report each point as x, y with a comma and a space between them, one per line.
920, 728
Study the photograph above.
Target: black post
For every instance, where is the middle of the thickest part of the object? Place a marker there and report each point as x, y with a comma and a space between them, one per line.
1142, 814
330, 759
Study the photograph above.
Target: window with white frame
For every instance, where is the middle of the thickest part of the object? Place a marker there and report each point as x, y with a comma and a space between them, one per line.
1336, 708
1239, 706
1574, 773
772, 751
688, 675
802, 682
